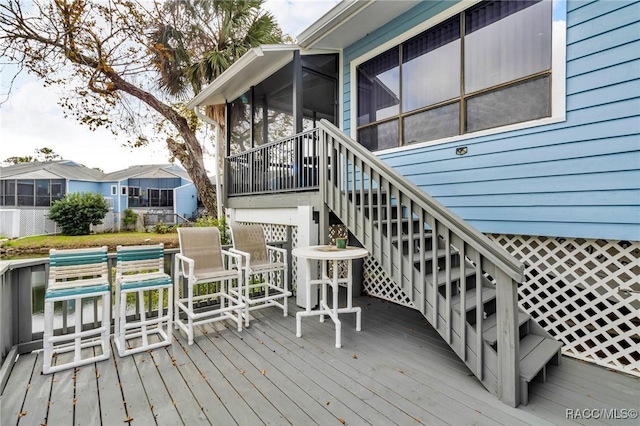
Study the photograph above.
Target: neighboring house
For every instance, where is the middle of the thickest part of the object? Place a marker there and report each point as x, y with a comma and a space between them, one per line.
27, 190
521, 117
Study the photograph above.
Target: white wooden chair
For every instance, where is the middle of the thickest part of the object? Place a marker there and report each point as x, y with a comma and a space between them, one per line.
214, 281
265, 269
75, 275
140, 270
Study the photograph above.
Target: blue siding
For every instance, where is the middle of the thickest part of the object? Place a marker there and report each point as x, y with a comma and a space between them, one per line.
578, 178
83, 186
186, 199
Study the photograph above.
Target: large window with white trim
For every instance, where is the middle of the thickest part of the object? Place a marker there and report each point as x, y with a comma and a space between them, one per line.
31, 192
486, 67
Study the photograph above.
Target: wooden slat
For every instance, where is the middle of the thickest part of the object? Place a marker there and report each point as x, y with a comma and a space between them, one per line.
36, 402
16, 390
62, 401
109, 390
87, 406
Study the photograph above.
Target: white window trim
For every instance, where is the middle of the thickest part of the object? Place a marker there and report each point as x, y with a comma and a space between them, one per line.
124, 190
558, 81
114, 190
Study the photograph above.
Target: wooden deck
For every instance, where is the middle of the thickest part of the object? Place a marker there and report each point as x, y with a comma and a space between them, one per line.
397, 370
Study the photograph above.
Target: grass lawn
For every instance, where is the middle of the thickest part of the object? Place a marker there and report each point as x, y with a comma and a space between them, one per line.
41, 244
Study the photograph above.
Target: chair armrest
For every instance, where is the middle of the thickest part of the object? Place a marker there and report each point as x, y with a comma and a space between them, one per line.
241, 253
190, 263
236, 256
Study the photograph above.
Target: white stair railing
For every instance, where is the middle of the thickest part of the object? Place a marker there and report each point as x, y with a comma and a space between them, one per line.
402, 227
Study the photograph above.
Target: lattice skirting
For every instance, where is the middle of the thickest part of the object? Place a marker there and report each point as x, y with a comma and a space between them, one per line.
572, 290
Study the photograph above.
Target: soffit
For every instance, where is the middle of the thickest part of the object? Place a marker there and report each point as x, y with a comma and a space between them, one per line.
351, 20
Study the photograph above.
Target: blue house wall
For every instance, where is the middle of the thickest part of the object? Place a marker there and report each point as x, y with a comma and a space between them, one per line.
186, 199
84, 186
574, 178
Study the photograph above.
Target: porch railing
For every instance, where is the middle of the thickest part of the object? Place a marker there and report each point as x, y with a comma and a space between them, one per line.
286, 165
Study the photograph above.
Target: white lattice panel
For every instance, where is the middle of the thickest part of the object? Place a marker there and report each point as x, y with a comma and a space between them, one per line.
572, 290
377, 283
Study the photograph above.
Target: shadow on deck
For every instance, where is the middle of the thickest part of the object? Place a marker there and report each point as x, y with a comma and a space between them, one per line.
397, 370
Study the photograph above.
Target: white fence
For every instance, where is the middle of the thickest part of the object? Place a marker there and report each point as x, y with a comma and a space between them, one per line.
16, 223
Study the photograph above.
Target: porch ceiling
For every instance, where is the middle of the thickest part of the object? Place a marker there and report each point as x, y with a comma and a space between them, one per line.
256, 65
349, 21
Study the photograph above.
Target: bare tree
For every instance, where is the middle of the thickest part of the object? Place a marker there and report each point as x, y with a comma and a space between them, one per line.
109, 58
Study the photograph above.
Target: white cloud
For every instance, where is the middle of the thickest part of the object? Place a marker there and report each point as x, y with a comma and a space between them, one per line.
31, 119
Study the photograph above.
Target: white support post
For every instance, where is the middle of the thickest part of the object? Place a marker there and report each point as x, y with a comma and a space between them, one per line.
307, 236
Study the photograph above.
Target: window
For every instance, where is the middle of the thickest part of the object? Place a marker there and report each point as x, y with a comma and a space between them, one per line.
486, 67
114, 190
31, 192
160, 197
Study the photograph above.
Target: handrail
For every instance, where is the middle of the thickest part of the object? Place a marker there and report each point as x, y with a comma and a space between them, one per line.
493, 252
443, 265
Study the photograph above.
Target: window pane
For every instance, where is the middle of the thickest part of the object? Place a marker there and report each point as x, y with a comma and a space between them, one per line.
10, 193
240, 117
431, 66
506, 40
43, 197
25, 192
379, 137
432, 124
57, 189
521, 102
379, 87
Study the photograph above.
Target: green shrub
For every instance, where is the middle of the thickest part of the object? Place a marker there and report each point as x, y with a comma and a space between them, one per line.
163, 228
129, 219
75, 213
221, 224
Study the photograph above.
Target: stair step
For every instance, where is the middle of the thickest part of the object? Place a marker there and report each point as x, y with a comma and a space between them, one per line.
535, 352
490, 329
488, 294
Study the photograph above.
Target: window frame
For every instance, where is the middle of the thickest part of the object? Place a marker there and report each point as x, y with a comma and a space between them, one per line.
557, 76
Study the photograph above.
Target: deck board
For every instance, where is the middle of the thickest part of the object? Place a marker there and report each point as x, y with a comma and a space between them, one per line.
395, 371
17, 385
110, 392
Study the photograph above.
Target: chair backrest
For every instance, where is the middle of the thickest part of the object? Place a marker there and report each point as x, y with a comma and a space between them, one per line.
250, 239
78, 264
202, 244
140, 259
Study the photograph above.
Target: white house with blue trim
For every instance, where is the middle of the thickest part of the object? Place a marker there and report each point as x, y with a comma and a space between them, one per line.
518, 119
27, 190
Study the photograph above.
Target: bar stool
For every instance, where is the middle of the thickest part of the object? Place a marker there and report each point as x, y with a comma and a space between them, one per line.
140, 270
75, 275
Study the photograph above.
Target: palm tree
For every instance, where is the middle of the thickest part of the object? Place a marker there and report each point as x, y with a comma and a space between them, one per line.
199, 39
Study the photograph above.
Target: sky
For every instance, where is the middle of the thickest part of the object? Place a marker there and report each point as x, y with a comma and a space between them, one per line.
31, 118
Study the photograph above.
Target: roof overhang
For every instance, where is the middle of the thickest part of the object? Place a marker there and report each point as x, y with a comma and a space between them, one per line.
362, 16
253, 67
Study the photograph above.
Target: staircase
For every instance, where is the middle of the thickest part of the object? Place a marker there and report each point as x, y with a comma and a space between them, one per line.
463, 283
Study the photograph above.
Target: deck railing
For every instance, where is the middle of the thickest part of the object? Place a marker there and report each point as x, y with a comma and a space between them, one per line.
286, 165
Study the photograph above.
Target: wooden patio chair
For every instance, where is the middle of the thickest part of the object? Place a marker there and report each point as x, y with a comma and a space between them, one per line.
75, 275
214, 281
140, 270
265, 269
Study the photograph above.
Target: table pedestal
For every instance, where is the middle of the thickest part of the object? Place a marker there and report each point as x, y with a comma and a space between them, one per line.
324, 308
